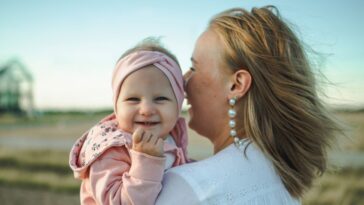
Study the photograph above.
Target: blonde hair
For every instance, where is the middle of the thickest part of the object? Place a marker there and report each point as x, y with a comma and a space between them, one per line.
150, 44
281, 113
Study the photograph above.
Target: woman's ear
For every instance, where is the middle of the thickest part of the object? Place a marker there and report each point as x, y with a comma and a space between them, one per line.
240, 83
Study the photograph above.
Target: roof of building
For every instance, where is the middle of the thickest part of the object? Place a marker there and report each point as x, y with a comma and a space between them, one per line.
16, 64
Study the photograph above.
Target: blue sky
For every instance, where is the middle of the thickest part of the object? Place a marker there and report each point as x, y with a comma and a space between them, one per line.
71, 46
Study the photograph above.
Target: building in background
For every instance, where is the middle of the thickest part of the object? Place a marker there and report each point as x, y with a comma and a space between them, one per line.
16, 89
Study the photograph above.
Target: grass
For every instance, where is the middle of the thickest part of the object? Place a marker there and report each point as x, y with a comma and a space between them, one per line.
341, 187
36, 156
21, 196
43, 176
47, 118
40, 169
355, 130
49, 125
43, 180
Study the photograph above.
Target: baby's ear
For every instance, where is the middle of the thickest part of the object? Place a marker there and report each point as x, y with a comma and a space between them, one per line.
240, 83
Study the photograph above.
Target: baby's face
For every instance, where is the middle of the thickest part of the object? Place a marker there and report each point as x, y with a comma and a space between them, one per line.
146, 100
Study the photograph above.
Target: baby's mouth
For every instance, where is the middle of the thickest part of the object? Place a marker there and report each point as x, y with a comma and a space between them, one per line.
146, 123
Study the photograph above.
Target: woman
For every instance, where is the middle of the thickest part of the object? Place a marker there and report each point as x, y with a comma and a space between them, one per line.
253, 95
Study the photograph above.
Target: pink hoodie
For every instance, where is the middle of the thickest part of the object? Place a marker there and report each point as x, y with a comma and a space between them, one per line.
110, 171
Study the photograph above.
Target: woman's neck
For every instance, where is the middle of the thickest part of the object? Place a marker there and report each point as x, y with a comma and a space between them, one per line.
220, 137
222, 141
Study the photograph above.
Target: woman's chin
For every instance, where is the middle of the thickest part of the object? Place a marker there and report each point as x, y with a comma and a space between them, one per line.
191, 123
191, 119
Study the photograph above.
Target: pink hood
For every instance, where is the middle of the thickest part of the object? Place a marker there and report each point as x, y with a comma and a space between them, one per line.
106, 134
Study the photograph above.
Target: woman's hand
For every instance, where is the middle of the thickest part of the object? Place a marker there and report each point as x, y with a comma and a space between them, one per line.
148, 143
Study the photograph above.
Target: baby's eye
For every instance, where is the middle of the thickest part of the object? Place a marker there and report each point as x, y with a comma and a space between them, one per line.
133, 99
161, 98
192, 68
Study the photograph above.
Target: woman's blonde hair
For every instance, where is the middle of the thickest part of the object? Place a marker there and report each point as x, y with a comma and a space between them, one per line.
282, 113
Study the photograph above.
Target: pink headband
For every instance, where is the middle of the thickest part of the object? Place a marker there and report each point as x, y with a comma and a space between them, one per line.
141, 59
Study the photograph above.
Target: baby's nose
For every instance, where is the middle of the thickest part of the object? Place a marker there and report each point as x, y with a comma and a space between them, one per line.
147, 108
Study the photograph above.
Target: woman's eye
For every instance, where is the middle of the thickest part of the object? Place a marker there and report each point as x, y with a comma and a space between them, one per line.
192, 68
161, 98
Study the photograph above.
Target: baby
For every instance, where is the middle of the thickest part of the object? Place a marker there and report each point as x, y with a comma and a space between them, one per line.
121, 160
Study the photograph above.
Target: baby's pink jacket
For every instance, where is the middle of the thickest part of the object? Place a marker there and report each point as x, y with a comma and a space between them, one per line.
112, 173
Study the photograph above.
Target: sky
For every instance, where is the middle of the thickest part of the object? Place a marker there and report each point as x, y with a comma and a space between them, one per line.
71, 47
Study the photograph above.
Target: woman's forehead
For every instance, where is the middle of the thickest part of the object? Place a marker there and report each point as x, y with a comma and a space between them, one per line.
207, 47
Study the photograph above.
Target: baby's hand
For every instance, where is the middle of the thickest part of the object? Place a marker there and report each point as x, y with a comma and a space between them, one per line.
148, 143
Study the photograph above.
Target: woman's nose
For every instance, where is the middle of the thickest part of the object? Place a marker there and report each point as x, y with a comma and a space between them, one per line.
187, 75
147, 108
186, 78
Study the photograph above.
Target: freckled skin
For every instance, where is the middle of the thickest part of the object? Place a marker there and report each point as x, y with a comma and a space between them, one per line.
206, 85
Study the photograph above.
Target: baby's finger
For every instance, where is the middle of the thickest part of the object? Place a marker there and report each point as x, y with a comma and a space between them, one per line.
155, 136
153, 139
160, 143
138, 135
160, 146
146, 137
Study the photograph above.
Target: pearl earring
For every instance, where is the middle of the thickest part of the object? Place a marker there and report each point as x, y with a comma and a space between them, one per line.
232, 123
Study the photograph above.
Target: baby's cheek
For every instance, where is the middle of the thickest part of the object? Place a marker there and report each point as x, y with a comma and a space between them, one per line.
126, 127
125, 124
168, 127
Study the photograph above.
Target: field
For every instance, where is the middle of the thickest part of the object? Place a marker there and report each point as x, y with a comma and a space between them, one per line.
34, 160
